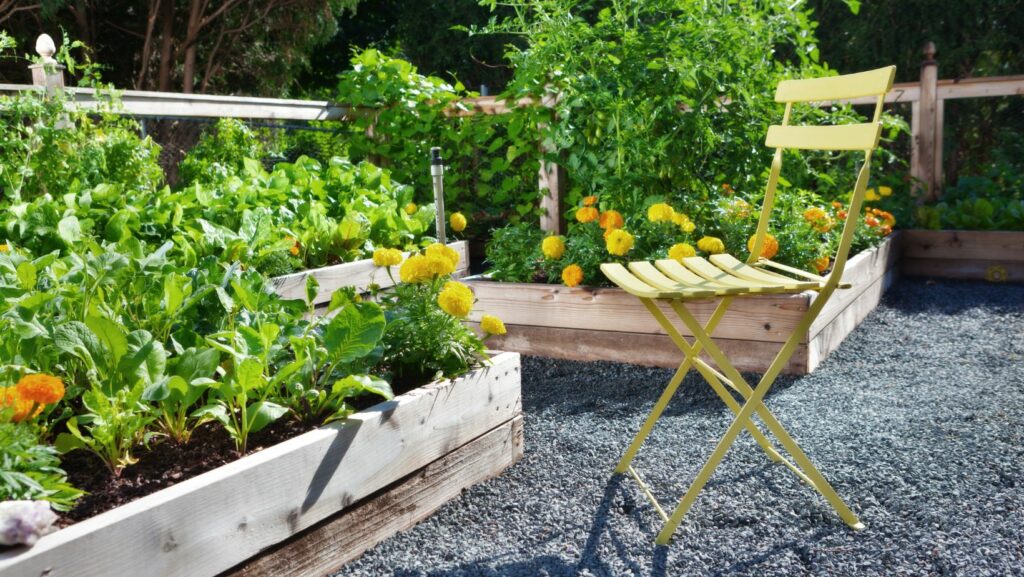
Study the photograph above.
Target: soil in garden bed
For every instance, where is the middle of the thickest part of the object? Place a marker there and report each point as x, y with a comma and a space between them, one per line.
165, 464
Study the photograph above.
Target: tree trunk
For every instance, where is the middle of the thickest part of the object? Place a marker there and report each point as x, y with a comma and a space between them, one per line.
166, 46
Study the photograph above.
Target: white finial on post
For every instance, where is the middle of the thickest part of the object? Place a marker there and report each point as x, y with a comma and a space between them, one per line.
48, 72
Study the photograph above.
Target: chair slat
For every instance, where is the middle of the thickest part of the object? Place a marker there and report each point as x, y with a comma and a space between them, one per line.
839, 137
646, 272
872, 82
676, 271
634, 286
709, 271
738, 268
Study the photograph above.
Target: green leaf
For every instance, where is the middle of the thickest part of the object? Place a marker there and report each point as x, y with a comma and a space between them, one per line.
111, 335
27, 275
75, 338
249, 374
196, 363
353, 385
146, 358
312, 289
354, 332
69, 229
263, 413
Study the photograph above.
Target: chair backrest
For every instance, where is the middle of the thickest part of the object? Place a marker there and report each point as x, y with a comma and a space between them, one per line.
863, 136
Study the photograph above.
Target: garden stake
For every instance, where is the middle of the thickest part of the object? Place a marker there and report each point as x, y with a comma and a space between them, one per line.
437, 173
673, 282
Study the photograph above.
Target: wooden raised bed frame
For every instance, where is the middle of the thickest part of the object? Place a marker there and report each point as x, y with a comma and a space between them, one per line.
964, 254
317, 500
359, 274
590, 324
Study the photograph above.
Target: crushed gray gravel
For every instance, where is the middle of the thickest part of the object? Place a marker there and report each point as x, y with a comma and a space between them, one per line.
917, 421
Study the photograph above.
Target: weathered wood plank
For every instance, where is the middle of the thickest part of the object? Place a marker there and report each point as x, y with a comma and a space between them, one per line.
863, 271
995, 245
636, 348
759, 318
995, 270
212, 522
323, 549
359, 274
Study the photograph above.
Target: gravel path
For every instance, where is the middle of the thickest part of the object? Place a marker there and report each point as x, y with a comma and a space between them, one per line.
917, 420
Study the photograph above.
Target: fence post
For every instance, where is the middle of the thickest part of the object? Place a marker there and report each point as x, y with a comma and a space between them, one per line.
48, 72
926, 158
553, 185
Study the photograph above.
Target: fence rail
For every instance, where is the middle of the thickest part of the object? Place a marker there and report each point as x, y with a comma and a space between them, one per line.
927, 99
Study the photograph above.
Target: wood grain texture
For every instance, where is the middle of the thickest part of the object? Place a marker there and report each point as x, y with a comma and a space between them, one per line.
636, 348
359, 274
964, 245
995, 270
210, 523
862, 271
759, 318
324, 548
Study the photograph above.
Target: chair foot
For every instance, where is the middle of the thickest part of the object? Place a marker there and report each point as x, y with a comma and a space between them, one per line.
858, 526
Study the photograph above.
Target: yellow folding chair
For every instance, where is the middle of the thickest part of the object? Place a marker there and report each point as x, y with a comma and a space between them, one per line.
724, 276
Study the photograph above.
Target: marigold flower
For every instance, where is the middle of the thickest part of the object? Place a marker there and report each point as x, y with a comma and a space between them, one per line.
553, 247
618, 242
683, 222
885, 230
660, 212
387, 257
5, 248
413, 270
411, 208
296, 247
680, 251
871, 195
821, 263
492, 325
837, 205
456, 299
572, 275
814, 213
841, 215
41, 388
887, 218
871, 221
770, 247
611, 219
711, 245
884, 191
586, 214
457, 221
589, 200
445, 252
10, 398
727, 189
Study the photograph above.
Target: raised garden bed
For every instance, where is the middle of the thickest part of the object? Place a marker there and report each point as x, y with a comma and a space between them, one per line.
359, 274
335, 491
588, 324
964, 254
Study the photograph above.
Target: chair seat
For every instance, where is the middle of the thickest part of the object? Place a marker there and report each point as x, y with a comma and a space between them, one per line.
700, 278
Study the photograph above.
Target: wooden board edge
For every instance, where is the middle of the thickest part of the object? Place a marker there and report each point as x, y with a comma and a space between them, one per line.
863, 270
964, 269
996, 245
328, 545
359, 274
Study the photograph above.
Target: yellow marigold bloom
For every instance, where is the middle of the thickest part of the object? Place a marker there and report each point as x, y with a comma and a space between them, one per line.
387, 257
660, 212
553, 247
770, 247
492, 325
683, 222
11, 399
618, 242
884, 191
411, 208
456, 299
572, 275
711, 245
681, 251
413, 270
457, 221
5, 248
814, 213
589, 200
586, 214
871, 195
438, 250
611, 219
821, 263
40, 388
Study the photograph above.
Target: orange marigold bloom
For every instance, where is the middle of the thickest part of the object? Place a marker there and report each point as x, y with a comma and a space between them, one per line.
296, 247
10, 398
611, 219
841, 214
814, 213
871, 221
586, 214
589, 200
40, 388
885, 230
821, 263
770, 247
727, 188
572, 275
837, 205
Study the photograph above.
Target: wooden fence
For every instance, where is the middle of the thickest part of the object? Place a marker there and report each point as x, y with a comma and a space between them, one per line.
926, 97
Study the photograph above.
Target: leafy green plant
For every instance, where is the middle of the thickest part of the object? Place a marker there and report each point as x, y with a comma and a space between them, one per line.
30, 469
514, 251
220, 152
